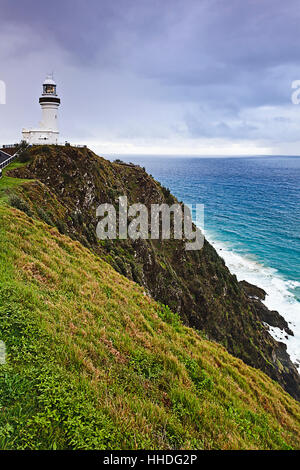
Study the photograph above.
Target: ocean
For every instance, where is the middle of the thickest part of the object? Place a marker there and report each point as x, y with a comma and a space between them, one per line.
252, 217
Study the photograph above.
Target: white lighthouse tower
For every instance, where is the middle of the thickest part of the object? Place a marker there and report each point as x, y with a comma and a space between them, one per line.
48, 131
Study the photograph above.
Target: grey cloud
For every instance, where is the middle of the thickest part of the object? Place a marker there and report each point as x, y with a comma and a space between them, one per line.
146, 68
212, 128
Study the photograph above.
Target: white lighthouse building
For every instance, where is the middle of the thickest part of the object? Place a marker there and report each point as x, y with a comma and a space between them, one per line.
47, 133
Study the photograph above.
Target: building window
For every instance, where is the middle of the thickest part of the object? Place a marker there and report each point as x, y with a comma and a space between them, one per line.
49, 89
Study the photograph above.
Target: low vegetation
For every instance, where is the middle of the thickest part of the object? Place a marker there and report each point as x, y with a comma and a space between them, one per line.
94, 363
8, 184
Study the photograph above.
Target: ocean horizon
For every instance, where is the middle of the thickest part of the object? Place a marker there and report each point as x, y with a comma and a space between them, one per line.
252, 218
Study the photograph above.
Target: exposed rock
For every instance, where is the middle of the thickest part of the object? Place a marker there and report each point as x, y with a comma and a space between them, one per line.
271, 317
253, 291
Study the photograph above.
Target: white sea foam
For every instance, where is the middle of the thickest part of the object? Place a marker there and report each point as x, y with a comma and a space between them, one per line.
279, 297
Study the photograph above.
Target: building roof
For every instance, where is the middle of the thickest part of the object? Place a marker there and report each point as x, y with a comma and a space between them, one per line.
49, 80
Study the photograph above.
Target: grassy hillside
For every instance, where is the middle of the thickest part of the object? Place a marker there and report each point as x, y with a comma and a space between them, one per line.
94, 363
64, 187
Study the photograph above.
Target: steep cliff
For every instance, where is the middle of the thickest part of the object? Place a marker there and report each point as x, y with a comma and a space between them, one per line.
69, 184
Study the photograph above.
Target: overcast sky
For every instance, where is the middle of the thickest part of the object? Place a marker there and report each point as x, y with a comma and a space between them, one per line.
156, 76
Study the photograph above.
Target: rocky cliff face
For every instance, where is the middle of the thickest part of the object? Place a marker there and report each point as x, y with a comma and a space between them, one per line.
69, 185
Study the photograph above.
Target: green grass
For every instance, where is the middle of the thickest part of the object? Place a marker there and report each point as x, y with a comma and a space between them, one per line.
94, 363
7, 183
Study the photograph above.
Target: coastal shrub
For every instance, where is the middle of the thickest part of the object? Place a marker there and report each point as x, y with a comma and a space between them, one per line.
44, 216
44, 149
198, 375
19, 203
24, 156
77, 218
91, 233
62, 228
146, 364
166, 314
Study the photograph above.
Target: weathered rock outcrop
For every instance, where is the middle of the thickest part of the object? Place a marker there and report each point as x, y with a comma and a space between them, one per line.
271, 317
252, 291
69, 185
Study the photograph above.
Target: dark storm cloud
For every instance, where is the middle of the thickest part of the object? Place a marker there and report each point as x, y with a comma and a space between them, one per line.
93, 28
220, 56
251, 33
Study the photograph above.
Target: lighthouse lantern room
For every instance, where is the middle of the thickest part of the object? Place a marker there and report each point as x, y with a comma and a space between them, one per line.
47, 133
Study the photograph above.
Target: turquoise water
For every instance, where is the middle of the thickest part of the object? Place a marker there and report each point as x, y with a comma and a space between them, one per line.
252, 216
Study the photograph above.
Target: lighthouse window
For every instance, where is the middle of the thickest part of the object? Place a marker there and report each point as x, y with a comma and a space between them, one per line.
49, 89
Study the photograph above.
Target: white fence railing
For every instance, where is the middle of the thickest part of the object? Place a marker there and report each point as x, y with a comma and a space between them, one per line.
9, 158
8, 161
